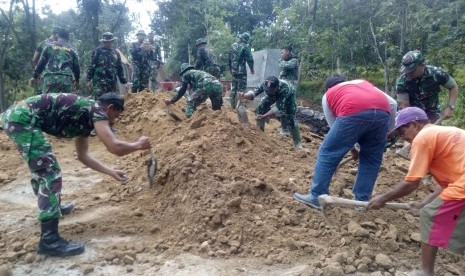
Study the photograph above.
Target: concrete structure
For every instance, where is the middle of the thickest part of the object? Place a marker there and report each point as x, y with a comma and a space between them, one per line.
266, 64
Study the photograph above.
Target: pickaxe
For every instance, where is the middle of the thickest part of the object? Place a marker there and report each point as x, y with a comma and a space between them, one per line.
327, 200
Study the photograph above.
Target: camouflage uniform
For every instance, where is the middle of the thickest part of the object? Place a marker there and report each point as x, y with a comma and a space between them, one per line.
40, 47
206, 59
204, 86
289, 70
239, 55
140, 67
60, 115
59, 64
155, 61
104, 69
424, 92
284, 107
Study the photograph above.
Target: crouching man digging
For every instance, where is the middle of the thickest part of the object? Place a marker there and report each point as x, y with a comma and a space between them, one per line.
65, 116
439, 150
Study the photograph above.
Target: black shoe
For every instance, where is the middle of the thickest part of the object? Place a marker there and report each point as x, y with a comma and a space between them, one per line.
51, 244
66, 208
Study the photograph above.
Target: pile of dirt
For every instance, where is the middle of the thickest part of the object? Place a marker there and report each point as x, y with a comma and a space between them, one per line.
224, 190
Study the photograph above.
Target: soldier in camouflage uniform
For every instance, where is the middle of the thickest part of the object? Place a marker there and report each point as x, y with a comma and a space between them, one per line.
206, 59
105, 67
60, 66
155, 61
239, 55
419, 85
40, 47
289, 67
140, 54
203, 85
279, 102
65, 116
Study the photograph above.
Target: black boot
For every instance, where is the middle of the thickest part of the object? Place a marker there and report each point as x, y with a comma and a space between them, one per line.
52, 244
66, 208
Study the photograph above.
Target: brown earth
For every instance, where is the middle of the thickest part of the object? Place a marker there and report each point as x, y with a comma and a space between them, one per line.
223, 191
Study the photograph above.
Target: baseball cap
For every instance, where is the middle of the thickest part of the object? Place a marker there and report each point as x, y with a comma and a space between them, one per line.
409, 114
270, 83
410, 61
107, 36
112, 98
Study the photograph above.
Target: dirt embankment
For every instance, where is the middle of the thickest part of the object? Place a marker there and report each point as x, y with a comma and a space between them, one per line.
222, 190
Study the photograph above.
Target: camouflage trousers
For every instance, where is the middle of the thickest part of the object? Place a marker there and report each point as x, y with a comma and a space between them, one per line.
212, 90
100, 87
239, 84
140, 77
214, 70
18, 123
153, 75
57, 84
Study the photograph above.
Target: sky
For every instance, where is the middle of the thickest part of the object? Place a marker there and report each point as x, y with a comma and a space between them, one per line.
141, 9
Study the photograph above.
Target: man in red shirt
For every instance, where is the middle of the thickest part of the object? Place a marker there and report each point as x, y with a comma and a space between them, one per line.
362, 114
441, 151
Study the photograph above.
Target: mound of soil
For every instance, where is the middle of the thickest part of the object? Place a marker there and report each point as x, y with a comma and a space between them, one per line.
224, 190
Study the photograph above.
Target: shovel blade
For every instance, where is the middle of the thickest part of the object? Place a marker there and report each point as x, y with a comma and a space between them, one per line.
241, 111
151, 170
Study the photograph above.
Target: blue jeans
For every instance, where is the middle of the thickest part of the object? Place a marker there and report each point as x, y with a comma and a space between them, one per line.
367, 128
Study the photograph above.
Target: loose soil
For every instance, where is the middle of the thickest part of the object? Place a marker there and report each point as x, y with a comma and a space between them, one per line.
221, 205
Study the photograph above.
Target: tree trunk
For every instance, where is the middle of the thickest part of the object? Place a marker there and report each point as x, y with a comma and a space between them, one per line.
383, 63
309, 40
3, 48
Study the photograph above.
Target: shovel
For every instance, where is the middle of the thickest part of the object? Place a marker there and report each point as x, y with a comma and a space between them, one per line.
241, 111
151, 169
327, 200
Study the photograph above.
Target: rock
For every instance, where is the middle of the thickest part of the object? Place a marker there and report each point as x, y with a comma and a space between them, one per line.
333, 269
369, 224
128, 260
9, 256
205, 247
235, 202
223, 239
198, 122
380, 221
347, 193
339, 258
366, 260
349, 269
5, 270
390, 245
86, 269
29, 258
362, 268
415, 236
383, 260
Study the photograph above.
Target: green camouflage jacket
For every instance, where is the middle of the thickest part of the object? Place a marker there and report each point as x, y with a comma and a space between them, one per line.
58, 58
289, 69
284, 98
424, 92
196, 80
106, 66
239, 55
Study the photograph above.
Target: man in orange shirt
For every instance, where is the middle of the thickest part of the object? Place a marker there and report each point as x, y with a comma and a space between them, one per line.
439, 150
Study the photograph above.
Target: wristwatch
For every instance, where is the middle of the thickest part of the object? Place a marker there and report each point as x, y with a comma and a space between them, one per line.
451, 106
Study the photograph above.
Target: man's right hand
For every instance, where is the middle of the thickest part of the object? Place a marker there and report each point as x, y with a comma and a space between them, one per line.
32, 82
144, 143
240, 96
168, 102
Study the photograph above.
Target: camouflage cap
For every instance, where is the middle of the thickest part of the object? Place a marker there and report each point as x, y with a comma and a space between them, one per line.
140, 32
410, 61
245, 37
200, 41
270, 83
185, 67
107, 36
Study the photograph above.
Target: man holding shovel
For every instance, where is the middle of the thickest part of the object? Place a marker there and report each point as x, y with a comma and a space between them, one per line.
440, 151
64, 116
363, 115
279, 102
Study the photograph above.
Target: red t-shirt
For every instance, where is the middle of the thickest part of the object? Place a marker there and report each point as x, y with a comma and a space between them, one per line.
355, 96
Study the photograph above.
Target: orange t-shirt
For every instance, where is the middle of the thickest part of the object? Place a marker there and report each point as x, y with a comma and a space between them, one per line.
441, 151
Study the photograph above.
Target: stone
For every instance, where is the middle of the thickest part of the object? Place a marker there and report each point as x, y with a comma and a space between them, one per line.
333, 269
128, 260
415, 237
235, 202
86, 269
383, 260
205, 247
